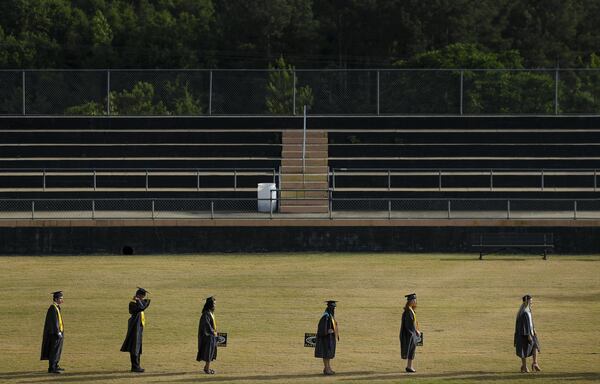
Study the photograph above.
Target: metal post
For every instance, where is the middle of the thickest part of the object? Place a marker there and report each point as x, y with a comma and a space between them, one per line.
462, 76
94, 179
93, 209
439, 179
595, 182
330, 204
108, 92
542, 174
574, 209
294, 94
556, 91
32, 209
449, 209
274, 176
378, 93
197, 179
146, 180
508, 209
212, 209
304, 143
270, 204
44, 180
152, 209
333, 178
389, 180
235, 180
491, 179
210, 91
23, 93
389, 209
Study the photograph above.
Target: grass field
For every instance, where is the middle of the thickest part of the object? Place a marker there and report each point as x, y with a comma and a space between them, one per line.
466, 308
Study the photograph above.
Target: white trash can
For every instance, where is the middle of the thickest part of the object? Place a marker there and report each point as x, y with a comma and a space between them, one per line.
267, 191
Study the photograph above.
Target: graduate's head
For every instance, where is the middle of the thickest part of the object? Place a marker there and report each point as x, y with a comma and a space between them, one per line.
141, 292
331, 304
57, 297
411, 300
209, 304
527, 300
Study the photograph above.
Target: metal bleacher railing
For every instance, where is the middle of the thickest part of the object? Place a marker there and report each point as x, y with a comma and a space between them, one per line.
194, 92
248, 208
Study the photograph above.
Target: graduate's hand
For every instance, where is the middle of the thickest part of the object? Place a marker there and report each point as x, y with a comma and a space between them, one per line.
60, 335
529, 338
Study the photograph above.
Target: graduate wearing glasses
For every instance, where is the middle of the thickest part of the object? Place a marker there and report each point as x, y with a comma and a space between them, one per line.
327, 337
52, 340
135, 328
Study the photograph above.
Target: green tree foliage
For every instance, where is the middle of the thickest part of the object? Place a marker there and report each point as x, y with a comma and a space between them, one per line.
280, 90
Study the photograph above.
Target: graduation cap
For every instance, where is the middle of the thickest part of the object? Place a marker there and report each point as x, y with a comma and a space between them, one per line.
141, 291
412, 296
56, 295
331, 303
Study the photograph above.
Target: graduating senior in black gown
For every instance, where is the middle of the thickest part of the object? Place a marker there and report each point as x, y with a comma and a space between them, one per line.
409, 332
327, 337
135, 328
52, 340
207, 335
526, 341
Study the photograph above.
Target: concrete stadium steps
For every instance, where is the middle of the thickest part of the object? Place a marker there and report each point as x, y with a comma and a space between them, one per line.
304, 183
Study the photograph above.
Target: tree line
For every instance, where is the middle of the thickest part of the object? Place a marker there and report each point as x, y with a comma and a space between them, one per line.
307, 33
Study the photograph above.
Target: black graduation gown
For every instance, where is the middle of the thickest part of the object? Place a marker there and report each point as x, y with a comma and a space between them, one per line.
207, 341
326, 342
408, 335
524, 347
135, 330
52, 343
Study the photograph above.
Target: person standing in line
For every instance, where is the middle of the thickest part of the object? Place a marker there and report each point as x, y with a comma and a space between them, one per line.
327, 337
52, 340
526, 341
135, 328
207, 335
409, 332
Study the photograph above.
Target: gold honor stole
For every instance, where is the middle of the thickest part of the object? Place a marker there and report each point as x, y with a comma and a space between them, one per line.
60, 323
335, 330
214, 322
415, 316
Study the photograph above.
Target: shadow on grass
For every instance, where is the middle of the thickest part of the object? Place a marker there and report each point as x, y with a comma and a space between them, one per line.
491, 258
485, 376
260, 378
43, 377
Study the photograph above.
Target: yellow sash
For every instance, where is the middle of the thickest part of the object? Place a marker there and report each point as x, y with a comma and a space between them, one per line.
214, 322
335, 330
60, 323
143, 318
415, 316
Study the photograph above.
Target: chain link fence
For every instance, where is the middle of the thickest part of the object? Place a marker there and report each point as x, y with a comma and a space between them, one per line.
248, 208
285, 91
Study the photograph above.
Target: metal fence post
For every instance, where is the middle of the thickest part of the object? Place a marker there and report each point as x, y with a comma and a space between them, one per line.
389, 209
330, 204
378, 93
508, 209
491, 179
95, 180
32, 209
270, 205
146, 180
294, 94
574, 209
210, 91
595, 181
235, 180
108, 92
93, 209
449, 209
23, 91
212, 209
439, 179
304, 143
542, 176
462, 76
556, 91
389, 180
44, 180
197, 179
152, 209
333, 178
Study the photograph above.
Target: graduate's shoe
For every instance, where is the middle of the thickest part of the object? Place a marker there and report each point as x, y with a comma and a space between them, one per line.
137, 370
60, 369
55, 371
410, 370
209, 371
535, 367
524, 369
328, 373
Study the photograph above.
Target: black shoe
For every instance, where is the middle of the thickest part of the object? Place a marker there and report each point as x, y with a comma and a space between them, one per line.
137, 370
55, 371
60, 369
410, 370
